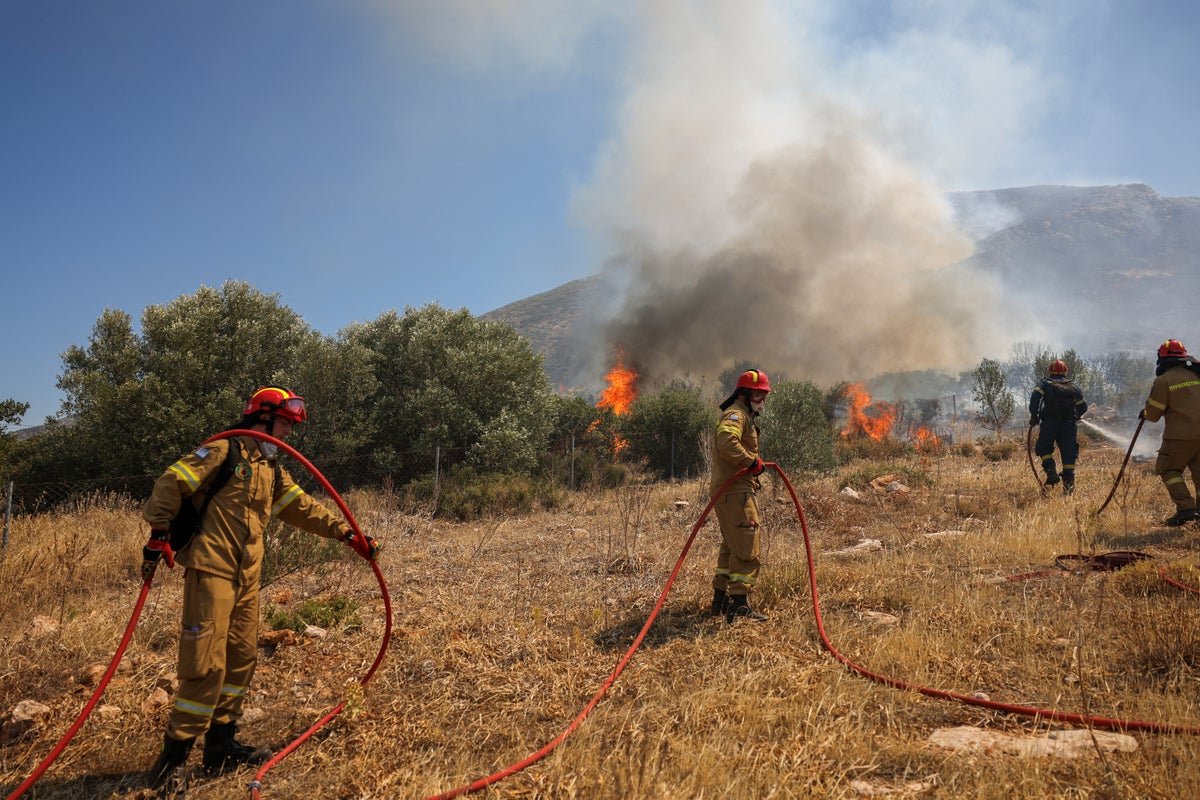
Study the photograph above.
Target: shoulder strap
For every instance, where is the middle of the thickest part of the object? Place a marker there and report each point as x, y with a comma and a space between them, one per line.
222, 477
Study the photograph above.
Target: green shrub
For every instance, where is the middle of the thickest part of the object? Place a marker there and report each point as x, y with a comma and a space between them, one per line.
288, 550
321, 613
467, 494
849, 448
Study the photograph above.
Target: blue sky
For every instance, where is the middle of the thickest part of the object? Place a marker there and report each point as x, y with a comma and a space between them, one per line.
354, 157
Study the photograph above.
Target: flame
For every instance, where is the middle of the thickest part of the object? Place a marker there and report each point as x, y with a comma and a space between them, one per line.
927, 440
618, 395
622, 388
872, 419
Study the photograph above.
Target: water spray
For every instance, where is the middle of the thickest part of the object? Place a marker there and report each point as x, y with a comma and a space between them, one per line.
1146, 449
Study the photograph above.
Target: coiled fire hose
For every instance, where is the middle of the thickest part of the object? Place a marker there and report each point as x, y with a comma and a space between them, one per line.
360, 546
1121, 472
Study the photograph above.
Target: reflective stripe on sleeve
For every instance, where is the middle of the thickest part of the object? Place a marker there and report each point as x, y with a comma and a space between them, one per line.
185, 474
283, 502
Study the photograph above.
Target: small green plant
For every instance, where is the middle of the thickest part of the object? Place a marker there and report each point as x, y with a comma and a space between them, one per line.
321, 613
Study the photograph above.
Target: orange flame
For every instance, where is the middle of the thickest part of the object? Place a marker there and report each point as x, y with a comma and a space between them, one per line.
622, 388
872, 419
927, 440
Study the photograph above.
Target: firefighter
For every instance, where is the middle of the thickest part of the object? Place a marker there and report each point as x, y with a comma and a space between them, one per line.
735, 447
1057, 404
218, 643
1175, 397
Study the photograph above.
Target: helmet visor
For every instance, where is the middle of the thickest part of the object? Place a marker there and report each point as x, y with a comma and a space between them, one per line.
293, 409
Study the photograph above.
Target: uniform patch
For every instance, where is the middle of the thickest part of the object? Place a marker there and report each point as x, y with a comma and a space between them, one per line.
242, 471
202, 453
734, 417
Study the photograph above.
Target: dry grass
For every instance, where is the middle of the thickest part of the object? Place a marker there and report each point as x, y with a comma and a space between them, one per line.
505, 629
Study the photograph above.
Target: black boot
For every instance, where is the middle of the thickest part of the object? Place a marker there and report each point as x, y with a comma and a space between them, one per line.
222, 751
739, 607
720, 602
1182, 517
168, 769
1051, 472
1068, 480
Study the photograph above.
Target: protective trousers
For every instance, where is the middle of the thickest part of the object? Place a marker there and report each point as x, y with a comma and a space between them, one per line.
737, 560
218, 649
1062, 433
1174, 456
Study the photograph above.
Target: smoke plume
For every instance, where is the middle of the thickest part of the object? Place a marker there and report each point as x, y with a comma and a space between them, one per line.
755, 217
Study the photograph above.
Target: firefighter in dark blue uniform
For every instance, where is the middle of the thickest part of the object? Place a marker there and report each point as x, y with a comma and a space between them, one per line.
1057, 404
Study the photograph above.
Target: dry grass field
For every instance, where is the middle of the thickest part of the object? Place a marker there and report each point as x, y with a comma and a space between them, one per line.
504, 630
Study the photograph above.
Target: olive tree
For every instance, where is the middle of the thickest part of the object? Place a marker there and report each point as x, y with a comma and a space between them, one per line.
996, 403
137, 401
663, 430
797, 427
449, 380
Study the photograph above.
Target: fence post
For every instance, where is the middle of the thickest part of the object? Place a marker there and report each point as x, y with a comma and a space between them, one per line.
437, 471
572, 460
7, 517
672, 451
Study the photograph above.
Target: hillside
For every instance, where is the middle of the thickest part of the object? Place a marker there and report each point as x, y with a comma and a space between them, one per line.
1103, 266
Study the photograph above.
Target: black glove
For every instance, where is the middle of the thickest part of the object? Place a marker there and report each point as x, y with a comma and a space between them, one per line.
1142, 414
159, 545
373, 547
1033, 420
757, 467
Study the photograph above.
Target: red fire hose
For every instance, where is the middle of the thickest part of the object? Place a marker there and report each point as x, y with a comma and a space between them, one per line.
360, 546
91, 703
1097, 722
1121, 471
1029, 453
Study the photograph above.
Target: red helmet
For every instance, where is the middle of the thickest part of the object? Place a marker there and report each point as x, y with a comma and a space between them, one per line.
1058, 367
755, 380
273, 400
1173, 348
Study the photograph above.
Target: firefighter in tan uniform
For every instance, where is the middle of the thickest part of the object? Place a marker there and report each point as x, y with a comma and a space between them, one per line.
735, 447
218, 644
1175, 397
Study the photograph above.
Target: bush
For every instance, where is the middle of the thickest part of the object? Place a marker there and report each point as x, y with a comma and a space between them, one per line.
288, 550
467, 494
797, 432
321, 613
860, 478
849, 448
998, 451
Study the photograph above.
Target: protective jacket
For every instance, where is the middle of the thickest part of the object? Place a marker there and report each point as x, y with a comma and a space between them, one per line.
1056, 399
735, 446
230, 540
1175, 397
